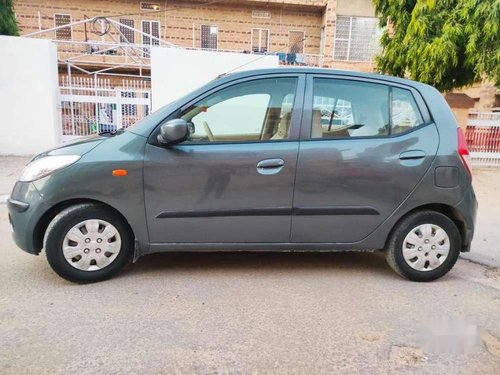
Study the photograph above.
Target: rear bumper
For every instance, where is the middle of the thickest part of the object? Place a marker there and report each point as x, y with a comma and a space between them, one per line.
468, 210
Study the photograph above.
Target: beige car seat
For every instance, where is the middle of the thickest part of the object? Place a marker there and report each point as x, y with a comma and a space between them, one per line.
284, 125
317, 128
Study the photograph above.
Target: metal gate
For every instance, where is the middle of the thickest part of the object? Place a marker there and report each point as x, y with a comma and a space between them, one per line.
483, 138
89, 105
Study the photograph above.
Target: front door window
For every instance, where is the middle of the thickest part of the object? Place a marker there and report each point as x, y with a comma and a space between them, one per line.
247, 112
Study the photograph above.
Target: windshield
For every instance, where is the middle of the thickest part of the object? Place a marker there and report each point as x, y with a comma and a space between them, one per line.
146, 125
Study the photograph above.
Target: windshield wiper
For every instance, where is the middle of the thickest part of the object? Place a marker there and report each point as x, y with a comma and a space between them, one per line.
112, 132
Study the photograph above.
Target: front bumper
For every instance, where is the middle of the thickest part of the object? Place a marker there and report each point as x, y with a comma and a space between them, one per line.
26, 207
18, 206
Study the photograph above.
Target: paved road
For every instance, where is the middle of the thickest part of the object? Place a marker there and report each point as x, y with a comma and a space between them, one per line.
241, 313
258, 313
486, 243
10, 170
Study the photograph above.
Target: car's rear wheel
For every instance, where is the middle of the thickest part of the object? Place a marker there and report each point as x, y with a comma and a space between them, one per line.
88, 243
424, 246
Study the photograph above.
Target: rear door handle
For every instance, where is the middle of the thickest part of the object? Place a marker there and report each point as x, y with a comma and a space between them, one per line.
412, 154
270, 166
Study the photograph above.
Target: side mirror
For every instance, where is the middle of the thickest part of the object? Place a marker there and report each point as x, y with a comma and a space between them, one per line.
173, 132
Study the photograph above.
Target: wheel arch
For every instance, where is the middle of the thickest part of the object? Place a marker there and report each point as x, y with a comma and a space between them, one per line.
51, 213
449, 211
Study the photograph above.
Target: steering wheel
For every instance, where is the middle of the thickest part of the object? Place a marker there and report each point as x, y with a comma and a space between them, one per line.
210, 135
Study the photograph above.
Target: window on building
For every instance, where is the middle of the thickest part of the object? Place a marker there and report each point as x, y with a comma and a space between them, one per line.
152, 29
344, 108
356, 38
258, 110
208, 37
127, 36
63, 33
146, 5
405, 113
263, 14
296, 41
260, 40
128, 109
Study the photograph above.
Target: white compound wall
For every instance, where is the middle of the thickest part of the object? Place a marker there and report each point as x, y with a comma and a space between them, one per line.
175, 71
29, 120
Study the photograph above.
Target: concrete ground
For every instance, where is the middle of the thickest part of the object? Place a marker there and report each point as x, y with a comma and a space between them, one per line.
486, 243
254, 312
10, 169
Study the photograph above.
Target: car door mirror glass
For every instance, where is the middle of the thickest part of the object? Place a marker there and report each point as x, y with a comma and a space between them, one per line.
173, 132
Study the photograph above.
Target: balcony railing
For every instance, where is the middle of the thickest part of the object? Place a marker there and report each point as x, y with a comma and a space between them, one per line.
301, 59
138, 55
111, 48
103, 53
303, 3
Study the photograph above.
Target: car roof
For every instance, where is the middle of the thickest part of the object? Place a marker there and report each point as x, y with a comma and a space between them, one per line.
326, 71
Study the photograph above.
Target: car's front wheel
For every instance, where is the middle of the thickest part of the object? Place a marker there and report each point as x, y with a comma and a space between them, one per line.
88, 243
424, 246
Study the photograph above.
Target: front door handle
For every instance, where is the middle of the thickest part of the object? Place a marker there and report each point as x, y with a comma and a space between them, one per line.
270, 166
412, 154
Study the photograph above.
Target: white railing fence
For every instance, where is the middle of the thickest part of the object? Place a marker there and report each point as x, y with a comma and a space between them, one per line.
104, 53
483, 138
89, 105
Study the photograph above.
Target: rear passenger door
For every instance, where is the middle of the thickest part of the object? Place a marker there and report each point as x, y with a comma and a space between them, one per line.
365, 144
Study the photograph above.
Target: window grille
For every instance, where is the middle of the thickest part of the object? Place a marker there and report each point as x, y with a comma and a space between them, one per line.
129, 109
356, 38
261, 14
152, 28
127, 35
65, 32
150, 6
296, 41
260, 40
208, 37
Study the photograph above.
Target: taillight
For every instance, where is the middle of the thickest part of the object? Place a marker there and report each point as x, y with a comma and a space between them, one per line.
463, 150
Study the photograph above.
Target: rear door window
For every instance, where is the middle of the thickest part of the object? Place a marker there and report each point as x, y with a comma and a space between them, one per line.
343, 108
405, 113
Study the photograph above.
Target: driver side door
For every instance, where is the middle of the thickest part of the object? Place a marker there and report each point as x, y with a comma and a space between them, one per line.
233, 180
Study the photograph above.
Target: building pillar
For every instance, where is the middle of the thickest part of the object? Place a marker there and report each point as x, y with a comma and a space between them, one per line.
487, 95
329, 18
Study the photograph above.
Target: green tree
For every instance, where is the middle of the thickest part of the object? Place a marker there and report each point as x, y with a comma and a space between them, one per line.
445, 43
8, 23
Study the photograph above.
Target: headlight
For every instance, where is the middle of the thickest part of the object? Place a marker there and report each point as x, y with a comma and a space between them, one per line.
44, 166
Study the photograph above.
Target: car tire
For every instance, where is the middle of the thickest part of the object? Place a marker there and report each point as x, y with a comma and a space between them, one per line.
415, 252
88, 243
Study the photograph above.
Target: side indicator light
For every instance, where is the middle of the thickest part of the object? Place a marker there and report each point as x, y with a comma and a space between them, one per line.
120, 172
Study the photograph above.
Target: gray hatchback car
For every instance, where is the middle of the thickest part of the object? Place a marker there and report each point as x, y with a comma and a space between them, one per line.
278, 159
